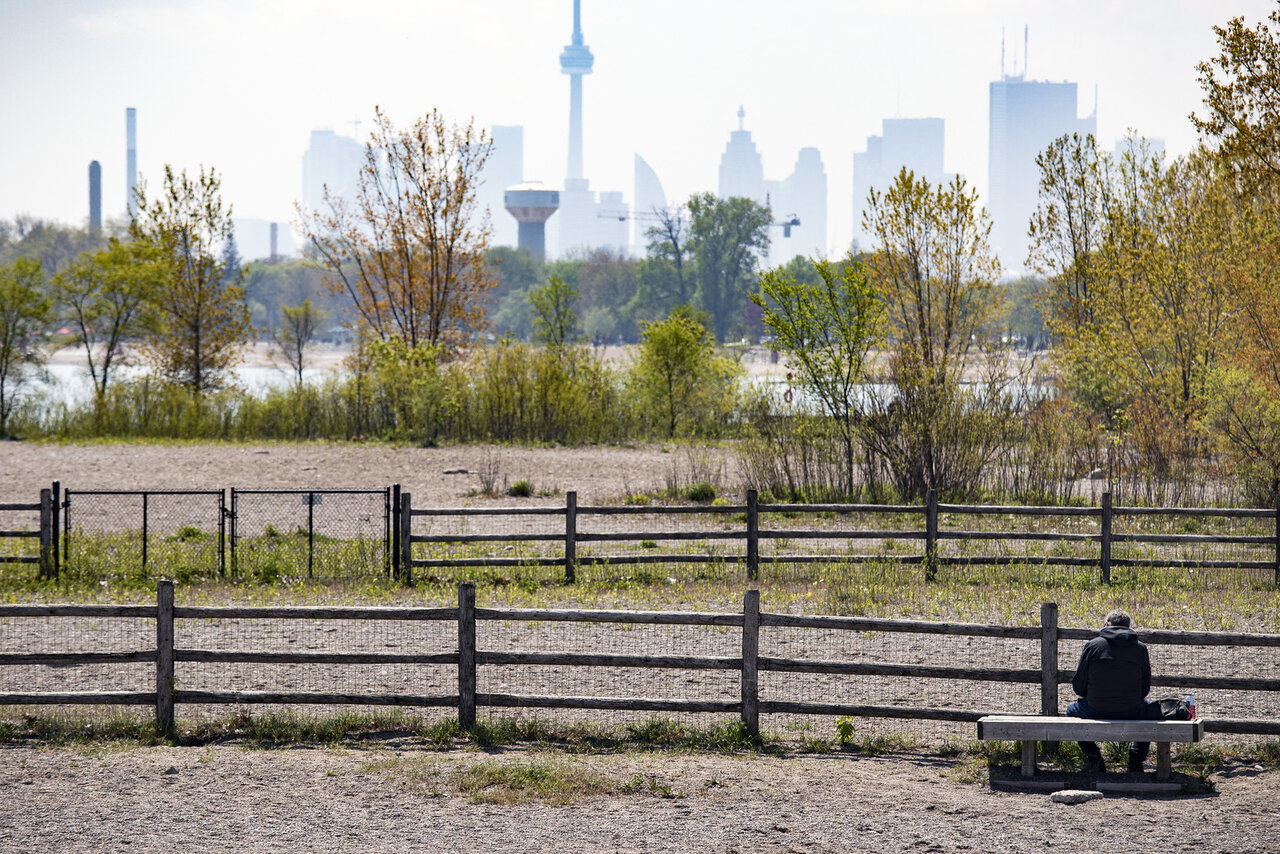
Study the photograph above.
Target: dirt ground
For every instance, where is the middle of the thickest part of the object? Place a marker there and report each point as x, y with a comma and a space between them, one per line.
434, 476
226, 798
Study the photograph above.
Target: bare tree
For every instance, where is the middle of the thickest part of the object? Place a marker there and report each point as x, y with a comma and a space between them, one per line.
410, 249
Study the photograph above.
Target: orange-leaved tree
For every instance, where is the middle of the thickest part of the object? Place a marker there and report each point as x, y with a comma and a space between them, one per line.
409, 248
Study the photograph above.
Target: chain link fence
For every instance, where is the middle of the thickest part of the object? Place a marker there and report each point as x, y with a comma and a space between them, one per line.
135, 533
310, 533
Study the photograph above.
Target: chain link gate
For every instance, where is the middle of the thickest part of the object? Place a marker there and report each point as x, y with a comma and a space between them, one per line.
310, 533
178, 533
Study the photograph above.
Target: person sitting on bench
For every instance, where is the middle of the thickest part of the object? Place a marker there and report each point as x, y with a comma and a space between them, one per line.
1112, 681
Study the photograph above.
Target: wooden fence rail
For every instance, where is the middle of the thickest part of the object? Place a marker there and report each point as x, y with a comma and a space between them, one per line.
751, 534
46, 510
467, 659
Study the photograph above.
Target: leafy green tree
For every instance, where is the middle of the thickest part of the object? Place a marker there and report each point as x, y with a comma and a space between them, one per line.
1067, 228
24, 309
935, 272
727, 239
555, 320
681, 384
1025, 320
109, 297
233, 269
1242, 99
204, 321
827, 329
664, 277
53, 244
297, 329
269, 285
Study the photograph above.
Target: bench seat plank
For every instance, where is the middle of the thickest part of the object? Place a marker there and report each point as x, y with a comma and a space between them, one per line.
1045, 728
1030, 729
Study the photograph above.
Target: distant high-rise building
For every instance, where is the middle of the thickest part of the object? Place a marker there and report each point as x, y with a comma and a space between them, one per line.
650, 199
330, 161
916, 144
802, 196
741, 168
1026, 115
131, 160
583, 222
505, 168
95, 197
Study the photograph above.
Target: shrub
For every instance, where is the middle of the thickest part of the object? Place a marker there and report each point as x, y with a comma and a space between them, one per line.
520, 489
700, 491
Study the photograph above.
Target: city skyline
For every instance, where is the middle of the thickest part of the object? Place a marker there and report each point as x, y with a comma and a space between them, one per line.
241, 86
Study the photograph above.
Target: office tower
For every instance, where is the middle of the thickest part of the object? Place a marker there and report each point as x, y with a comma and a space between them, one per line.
741, 169
504, 169
131, 160
330, 161
916, 144
802, 196
1026, 115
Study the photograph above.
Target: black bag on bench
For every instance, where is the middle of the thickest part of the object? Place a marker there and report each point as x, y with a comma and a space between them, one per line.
1167, 709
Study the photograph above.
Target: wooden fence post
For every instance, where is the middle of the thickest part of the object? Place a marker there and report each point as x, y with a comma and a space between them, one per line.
931, 535
394, 545
570, 537
46, 534
406, 539
750, 655
1277, 571
1104, 557
164, 657
466, 655
753, 535
1049, 664
57, 526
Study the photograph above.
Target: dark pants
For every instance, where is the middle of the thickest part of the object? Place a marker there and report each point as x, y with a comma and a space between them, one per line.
1137, 751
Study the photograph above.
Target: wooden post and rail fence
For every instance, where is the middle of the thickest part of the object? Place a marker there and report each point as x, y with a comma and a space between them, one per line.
168, 657
749, 526
46, 509
752, 535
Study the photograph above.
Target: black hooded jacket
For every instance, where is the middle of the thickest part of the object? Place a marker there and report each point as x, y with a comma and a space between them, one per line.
1114, 673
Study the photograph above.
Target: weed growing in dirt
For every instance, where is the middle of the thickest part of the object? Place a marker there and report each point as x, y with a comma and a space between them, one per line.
546, 780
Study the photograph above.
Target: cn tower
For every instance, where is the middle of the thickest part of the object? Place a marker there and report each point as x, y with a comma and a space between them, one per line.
576, 60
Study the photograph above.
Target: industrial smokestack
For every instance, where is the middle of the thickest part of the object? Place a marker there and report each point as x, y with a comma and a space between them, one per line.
275, 239
95, 198
131, 159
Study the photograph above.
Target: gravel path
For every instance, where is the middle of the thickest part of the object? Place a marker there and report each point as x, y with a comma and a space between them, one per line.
226, 798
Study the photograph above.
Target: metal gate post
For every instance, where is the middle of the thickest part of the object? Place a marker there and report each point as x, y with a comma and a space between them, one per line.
393, 533
144, 532
311, 533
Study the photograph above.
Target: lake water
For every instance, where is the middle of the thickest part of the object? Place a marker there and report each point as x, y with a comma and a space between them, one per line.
71, 382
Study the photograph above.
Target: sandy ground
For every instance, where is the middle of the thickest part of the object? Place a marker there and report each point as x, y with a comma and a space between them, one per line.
225, 798
439, 476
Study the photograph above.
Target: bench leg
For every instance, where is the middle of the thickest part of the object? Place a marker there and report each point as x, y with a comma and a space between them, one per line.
1029, 758
1164, 760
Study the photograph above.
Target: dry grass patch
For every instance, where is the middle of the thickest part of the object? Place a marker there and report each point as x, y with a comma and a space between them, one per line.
488, 781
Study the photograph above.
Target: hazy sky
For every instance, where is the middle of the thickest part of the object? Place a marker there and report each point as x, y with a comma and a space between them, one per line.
240, 84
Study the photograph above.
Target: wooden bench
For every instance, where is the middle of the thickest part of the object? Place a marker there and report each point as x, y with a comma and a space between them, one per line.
1032, 728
